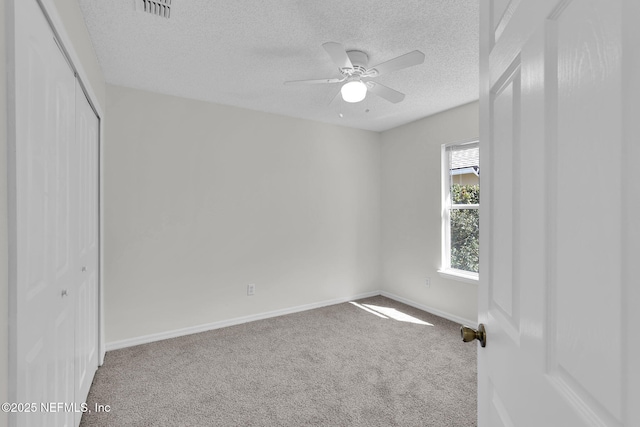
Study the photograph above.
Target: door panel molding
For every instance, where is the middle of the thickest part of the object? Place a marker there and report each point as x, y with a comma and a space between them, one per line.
504, 287
500, 415
594, 413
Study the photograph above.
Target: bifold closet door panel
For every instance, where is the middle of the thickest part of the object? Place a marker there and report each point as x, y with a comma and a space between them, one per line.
44, 201
86, 175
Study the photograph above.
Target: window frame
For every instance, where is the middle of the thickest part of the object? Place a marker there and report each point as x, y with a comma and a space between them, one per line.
446, 270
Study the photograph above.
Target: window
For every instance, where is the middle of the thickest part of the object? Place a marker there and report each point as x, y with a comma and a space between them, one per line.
460, 210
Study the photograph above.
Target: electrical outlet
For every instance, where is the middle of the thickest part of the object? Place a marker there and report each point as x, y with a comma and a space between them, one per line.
427, 282
251, 289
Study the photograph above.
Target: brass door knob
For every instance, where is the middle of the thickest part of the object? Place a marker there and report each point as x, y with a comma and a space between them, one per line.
469, 334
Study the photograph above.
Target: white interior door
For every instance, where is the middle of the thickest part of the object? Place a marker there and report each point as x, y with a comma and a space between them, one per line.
45, 131
86, 176
560, 204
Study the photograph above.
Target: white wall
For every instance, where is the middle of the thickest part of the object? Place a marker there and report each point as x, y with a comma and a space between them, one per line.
411, 211
203, 199
4, 278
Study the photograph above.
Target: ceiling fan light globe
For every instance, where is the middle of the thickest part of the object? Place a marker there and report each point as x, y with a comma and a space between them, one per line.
353, 91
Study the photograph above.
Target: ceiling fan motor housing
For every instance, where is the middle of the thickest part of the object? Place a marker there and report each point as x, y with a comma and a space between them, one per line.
359, 60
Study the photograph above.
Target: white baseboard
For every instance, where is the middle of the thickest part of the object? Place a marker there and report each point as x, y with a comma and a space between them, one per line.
130, 342
439, 313
145, 339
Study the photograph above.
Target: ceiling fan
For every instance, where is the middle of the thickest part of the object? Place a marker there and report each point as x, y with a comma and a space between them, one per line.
357, 77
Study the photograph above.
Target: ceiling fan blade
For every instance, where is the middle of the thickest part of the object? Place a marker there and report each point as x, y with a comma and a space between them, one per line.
313, 82
407, 60
338, 54
334, 96
385, 92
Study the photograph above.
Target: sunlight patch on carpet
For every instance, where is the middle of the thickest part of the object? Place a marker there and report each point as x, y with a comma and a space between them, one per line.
367, 309
390, 313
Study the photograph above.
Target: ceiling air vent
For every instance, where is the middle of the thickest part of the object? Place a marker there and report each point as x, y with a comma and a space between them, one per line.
161, 8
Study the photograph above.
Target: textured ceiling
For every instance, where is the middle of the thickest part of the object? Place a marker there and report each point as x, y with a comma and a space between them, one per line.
240, 53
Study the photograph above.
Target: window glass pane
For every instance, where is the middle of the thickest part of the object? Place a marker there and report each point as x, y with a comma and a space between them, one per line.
465, 239
465, 194
461, 179
464, 173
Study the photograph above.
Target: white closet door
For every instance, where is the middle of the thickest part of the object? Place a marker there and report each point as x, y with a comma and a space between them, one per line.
86, 176
45, 131
56, 221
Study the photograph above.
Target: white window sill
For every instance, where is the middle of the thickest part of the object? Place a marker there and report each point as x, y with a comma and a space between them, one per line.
459, 275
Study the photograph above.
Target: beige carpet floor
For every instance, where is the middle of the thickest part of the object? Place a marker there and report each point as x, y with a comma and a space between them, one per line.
374, 363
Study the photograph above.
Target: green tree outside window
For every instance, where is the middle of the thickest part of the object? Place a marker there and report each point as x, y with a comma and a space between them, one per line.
465, 228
